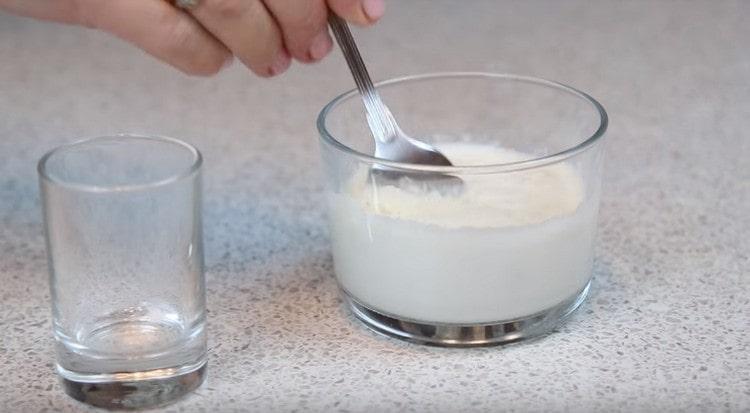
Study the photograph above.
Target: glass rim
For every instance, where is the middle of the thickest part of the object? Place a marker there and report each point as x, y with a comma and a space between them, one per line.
194, 166
327, 138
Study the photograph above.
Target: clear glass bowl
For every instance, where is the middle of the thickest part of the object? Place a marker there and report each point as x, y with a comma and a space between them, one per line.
504, 256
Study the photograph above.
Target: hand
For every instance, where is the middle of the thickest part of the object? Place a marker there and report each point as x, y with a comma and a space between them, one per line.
263, 34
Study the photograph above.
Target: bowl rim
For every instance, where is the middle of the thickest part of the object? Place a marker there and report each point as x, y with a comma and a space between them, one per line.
180, 173
328, 139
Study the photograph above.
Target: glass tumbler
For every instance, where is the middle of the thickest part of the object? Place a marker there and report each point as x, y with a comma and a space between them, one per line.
123, 228
502, 253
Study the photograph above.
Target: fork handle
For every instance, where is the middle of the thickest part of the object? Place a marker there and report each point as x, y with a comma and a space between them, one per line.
378, 116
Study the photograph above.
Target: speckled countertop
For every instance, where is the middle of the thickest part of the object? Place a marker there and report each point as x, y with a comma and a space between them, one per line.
664, 329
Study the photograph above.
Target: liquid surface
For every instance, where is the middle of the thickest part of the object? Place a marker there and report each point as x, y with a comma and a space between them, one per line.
508, 246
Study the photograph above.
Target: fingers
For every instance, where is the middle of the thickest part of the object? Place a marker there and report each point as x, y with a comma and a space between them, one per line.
304, 27
361, 12
159, 29
264, 36
247, 28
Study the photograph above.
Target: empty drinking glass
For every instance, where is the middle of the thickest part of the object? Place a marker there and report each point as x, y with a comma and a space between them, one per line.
123, 226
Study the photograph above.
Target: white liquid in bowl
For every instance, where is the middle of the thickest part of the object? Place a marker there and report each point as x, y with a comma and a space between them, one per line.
509, 246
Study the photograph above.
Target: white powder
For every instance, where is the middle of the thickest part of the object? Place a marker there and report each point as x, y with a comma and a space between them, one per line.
508, 246
486, 201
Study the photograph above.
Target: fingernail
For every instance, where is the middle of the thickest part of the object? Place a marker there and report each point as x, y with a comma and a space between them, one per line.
283, 60
374, 9
321, 45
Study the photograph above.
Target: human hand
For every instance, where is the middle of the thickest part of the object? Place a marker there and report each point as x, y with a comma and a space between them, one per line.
263, 34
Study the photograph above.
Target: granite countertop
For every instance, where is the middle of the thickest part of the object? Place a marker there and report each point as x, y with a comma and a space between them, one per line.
665, 327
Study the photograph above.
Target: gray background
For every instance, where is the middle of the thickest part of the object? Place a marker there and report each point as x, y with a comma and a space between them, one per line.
665, 326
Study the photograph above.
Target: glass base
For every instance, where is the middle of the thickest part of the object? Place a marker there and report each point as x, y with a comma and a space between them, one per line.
468, 335
133, 390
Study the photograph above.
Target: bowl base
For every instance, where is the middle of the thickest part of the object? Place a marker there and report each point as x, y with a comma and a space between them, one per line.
128, 391
467, 335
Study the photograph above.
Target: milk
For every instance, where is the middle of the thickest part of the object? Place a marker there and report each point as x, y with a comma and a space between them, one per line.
510, 245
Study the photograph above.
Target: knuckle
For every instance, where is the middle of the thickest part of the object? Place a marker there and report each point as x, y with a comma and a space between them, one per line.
315, 18
180, 38
227, 8
184, 44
